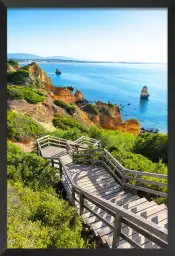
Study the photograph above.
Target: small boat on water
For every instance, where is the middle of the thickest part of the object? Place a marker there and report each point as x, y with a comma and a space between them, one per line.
58, 72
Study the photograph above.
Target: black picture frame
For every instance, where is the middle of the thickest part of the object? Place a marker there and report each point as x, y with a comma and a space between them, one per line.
4, 4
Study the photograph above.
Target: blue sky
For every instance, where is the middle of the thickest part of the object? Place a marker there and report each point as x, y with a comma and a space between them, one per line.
90, 34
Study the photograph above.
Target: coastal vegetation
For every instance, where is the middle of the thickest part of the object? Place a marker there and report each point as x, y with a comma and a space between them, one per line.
153, 146
66, 122
18, 77
12, 63
23, 128
33, 96
37, 215
91, 108
70, 108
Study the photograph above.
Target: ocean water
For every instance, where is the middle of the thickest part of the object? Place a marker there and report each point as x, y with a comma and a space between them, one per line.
120, 83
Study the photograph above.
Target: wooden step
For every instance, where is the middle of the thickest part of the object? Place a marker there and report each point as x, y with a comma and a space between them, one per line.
142, 206
120, 195
163, 223
112, 187
135, 203
127, 199
89, 179
150, 245
135, 236
98, 223
153, 210
158, 217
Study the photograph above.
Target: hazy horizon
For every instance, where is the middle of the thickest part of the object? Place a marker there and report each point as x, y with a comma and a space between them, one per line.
118, 35
73, 58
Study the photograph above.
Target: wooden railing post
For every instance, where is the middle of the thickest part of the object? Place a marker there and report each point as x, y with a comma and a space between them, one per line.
81, 203
73, 195
117, 231
67, 148
61, 170
136, 183
37, 148
48, 142
123, 179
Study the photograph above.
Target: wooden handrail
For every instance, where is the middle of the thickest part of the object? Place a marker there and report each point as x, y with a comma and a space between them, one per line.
121, 174
147, 228
117, 169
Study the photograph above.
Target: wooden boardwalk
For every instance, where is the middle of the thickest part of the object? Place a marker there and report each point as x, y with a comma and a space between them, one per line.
98, 181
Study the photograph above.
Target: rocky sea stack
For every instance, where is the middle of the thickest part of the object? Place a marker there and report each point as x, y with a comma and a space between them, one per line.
144, 93
58, 72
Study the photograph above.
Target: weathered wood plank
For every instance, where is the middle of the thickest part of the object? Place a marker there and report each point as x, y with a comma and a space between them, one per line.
153, 210
147, 181
148, 190
150, 174
134, 203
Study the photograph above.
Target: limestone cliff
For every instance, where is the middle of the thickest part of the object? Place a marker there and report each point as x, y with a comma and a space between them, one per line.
78, 96
108, 116
131, 125
64, 94
37, 74
103, 115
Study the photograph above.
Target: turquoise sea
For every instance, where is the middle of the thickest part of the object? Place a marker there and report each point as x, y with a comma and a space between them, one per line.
120, 83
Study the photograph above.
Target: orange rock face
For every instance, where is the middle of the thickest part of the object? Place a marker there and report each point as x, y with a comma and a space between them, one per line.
131, 125
39, 73
78, 96
109, 117
64, 94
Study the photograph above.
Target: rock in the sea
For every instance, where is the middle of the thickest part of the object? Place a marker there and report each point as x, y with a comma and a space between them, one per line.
144, 93
58, 72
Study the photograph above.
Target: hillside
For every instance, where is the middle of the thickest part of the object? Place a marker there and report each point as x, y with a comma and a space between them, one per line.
38, 217
103, 115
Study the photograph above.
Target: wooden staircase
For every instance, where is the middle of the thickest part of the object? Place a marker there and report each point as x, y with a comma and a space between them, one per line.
97, 188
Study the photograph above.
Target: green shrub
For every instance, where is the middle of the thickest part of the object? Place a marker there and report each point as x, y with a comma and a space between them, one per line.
9, 77
19, 77
23, 128
153, 146
111, 138
14, 93
32, 96
30, 169
40, 220
110, 104
13, 63
92, 109
106, 110
70, 134
70, 108
66, 122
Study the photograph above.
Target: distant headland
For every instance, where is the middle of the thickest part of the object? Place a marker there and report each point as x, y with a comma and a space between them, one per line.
25, 57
